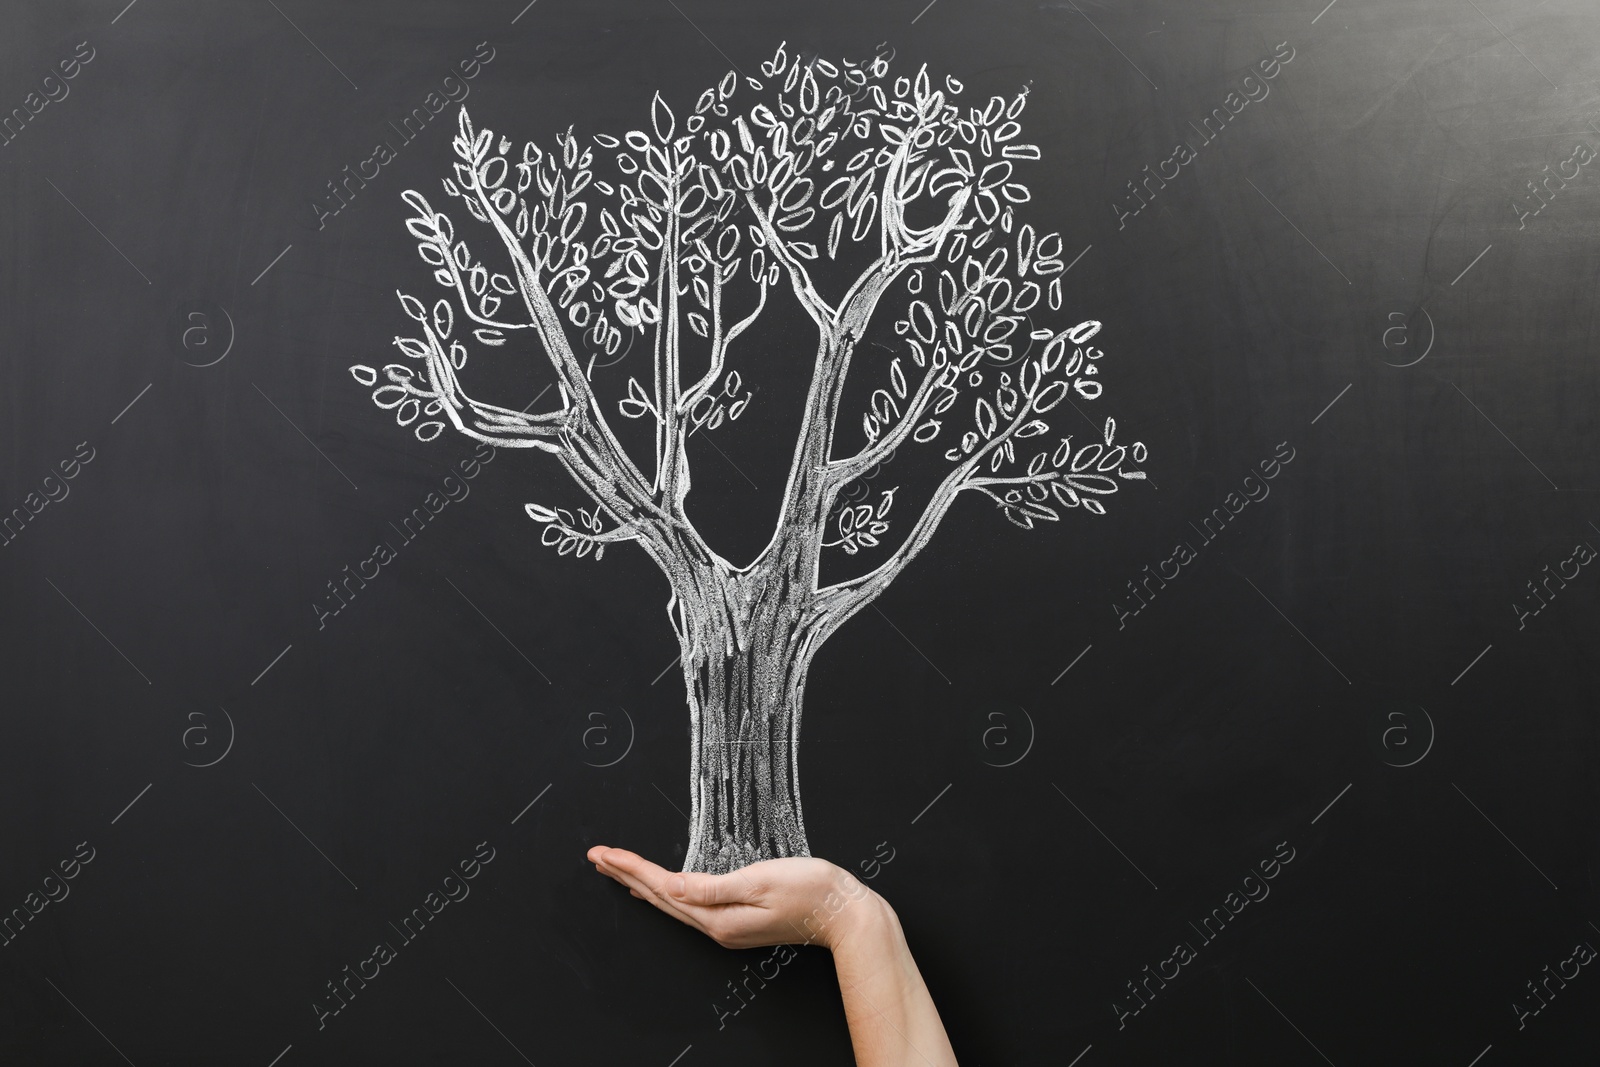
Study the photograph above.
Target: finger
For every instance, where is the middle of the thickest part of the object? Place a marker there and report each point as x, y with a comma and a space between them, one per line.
595, 855
634, 866
628, 869
710, 890
648, 880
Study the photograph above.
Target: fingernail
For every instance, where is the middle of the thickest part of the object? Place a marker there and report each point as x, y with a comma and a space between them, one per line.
678, 886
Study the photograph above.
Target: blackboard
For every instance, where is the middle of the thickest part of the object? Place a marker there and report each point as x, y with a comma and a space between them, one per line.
1287, 758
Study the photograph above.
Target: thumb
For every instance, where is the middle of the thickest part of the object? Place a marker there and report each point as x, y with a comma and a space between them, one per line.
709, 889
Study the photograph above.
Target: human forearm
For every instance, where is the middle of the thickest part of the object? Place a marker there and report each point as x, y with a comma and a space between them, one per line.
892, 1018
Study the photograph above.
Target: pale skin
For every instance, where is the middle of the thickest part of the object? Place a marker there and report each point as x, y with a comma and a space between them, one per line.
893, 1021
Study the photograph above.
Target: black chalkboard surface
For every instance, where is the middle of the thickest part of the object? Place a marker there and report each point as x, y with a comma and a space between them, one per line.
1263, 732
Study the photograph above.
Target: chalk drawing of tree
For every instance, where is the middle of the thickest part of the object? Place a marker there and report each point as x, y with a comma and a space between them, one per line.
867, 199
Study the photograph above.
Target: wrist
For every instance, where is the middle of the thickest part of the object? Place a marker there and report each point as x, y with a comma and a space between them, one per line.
865, 919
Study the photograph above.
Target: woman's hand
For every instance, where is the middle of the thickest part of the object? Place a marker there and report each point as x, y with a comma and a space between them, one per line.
893, 1021
774, 902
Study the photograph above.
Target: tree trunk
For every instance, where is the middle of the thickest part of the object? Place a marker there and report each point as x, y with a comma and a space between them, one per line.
745, 679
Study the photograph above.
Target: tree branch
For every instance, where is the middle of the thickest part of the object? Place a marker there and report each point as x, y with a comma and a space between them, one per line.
466, 300
878, 451
822, 314
559, 528
843, 599
1021, 479
672, 461
844, 470
811, 486
863, 296
588, 448
587, 420
492, 424
720, 343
